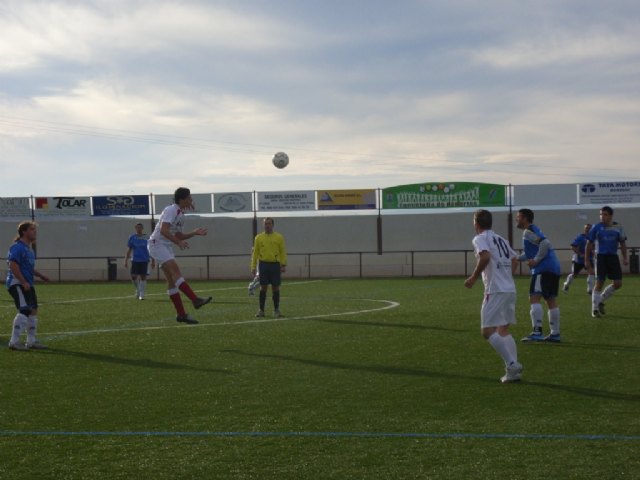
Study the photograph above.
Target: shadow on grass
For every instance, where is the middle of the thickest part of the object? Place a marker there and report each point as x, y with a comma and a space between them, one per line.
597, 346
585, 346
131, 362
386, 324
419, 372
589, 392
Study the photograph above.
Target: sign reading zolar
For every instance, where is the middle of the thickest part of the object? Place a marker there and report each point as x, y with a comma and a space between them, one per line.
286, 201
14, 207
49, 206
444, 195
609, 192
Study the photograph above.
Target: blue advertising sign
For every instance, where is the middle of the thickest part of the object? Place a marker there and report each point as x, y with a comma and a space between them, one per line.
121, 205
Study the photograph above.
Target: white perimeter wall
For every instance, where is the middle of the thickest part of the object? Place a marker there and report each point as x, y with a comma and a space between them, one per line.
332, 236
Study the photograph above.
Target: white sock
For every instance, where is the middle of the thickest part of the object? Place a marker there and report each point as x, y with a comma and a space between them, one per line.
590, 281
19, 324
32, 327
568, 280
141, 286
554, 321
500, 345
607, 293
596, 298
536, 313
511, 345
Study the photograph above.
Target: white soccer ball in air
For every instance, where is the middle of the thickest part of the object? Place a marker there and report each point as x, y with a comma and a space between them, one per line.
281, 160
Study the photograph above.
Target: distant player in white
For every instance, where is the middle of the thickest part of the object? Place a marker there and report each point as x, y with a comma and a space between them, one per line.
168, 232
496, 262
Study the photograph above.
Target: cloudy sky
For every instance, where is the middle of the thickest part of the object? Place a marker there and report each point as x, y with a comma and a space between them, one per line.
127, 96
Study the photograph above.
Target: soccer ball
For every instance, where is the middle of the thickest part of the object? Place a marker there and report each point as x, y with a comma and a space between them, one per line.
281, 160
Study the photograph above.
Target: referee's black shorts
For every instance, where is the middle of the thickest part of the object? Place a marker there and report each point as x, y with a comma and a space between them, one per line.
269, 273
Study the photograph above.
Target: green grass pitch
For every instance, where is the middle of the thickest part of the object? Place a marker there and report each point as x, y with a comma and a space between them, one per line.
384, 378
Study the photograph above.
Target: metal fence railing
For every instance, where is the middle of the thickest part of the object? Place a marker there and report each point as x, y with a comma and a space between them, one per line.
414, 263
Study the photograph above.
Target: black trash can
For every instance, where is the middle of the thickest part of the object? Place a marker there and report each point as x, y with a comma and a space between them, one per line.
634, 261
112, 269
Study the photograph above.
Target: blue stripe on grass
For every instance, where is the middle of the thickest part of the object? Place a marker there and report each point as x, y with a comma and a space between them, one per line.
508, 436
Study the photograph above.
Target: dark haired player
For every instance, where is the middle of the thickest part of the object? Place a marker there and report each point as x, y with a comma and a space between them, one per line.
604, 238
168, 232
545, 277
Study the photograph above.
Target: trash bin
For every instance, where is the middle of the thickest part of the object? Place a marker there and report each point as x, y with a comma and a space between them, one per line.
634, 261
112, 269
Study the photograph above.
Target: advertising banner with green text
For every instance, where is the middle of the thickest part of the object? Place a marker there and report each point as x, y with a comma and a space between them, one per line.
444, 195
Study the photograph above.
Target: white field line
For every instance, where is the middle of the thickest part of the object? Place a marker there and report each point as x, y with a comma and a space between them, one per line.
162, 294
388, 305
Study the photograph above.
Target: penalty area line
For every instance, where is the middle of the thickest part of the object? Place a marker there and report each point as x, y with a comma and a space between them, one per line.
436, 436
161, 294
389, 304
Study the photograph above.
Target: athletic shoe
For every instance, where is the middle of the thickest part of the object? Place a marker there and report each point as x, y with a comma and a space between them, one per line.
589, 292
277, 314
595, 314
533, 337
565, 288
200, 302
260, 314
252, 291
186, 319
601, 308
140, 298
553, 338
513, 373
36, 346
18, 346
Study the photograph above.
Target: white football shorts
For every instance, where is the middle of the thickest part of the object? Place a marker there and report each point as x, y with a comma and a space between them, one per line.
160, 251
498, 309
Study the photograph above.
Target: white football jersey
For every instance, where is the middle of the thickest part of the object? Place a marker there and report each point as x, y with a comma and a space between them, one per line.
172, 215
497, 276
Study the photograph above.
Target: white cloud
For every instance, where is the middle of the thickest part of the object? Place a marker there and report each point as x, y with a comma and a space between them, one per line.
558, 47
146, 94
34, 32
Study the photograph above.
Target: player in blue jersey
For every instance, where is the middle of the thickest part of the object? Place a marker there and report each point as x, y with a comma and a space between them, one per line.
578, 246
139, 255
545, 277
21, 260
604, 239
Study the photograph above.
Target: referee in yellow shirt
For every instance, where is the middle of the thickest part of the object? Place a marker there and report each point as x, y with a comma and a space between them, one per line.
269, 257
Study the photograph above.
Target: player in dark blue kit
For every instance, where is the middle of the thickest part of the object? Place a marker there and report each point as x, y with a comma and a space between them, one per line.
604, 238
140, 262
21, 260
545, 277
579, 246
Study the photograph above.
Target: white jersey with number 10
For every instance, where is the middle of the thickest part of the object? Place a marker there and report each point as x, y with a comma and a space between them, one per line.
497, 276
